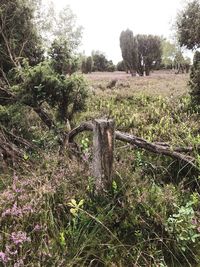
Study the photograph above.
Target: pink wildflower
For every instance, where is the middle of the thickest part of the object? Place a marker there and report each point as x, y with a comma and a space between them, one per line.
20, 237
37, 228
3, 257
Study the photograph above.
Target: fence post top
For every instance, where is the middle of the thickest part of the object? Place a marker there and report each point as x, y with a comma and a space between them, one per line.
101, 121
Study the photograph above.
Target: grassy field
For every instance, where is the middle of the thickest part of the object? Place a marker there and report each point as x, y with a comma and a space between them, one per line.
150, 217
164, 83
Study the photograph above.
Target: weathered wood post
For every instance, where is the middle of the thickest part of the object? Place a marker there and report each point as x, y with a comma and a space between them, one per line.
103, 147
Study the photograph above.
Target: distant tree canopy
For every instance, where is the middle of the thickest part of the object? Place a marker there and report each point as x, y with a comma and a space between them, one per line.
65, 27
87, 64
100, 62
172, 57
121, 66
141, 53
169, 51
188, 25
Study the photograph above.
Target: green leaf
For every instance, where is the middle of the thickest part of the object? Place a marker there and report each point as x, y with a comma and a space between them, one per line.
74, 211
80, 204
62, 239
26, 157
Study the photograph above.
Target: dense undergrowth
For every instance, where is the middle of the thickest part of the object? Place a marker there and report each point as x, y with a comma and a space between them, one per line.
150, 217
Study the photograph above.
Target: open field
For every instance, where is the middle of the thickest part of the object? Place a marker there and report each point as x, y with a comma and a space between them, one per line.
164, 83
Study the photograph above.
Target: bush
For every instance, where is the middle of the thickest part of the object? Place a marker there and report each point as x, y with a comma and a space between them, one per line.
42, 84
195, 79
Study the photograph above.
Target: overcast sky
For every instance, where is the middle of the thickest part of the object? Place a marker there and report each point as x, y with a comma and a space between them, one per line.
103, 21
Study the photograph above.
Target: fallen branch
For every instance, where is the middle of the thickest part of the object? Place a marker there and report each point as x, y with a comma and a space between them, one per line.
86, 126
9, 150
154, 148
18, 140
157, 148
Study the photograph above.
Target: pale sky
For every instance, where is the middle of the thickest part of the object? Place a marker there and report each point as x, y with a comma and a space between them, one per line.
103, 21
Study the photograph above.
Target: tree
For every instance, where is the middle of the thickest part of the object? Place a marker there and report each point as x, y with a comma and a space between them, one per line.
188, 25
83, 65
87, 64
173, 58
18, 35
100, 62
62, 58
129, 50
121, 66
179, 61
43, 86
65, 27
168, 54
149, 53
110, 66
141, 53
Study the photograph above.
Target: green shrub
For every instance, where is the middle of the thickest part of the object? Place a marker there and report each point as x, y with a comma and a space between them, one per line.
195, 79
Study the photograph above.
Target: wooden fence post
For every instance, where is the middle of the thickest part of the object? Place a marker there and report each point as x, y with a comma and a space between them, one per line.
103, 146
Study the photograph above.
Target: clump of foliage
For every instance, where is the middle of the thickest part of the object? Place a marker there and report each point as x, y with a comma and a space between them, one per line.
195, 79
43, 84
100, 62
188, 25
18, 35
121, 66
63, 60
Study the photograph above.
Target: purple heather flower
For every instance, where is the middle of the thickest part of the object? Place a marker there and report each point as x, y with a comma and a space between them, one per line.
3, 257
20, 237
37, 228
9, 251
17, 211
194, 221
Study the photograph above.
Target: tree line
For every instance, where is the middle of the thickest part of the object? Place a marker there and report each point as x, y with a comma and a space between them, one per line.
96, 62
141, 54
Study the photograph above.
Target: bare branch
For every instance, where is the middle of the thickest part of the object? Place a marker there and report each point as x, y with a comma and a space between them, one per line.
154, 148
86, 126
